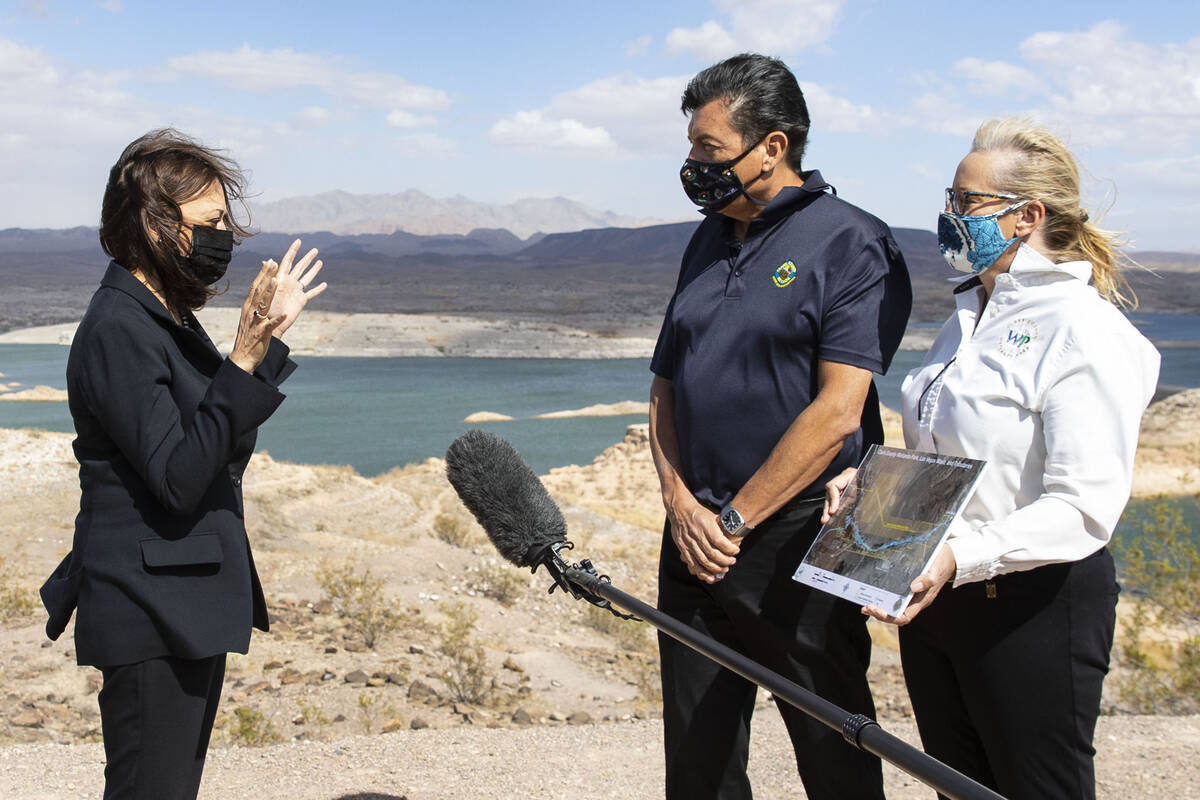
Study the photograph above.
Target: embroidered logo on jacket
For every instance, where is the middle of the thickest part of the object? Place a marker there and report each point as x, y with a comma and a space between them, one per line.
785, 273
1017, 337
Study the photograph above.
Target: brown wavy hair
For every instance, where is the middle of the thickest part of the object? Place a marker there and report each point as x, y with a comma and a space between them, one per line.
1042, 168
140, 223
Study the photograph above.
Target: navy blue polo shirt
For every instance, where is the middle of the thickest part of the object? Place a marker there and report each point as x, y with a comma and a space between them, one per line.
816, 279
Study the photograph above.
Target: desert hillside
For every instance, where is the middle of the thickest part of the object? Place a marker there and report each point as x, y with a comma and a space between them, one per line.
479, 682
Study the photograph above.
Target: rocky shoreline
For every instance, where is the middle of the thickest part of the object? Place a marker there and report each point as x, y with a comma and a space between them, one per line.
324, 333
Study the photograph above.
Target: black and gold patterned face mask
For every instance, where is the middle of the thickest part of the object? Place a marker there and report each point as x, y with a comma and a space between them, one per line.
712, 185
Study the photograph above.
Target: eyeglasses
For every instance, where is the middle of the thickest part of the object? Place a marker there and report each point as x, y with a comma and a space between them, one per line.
961, 200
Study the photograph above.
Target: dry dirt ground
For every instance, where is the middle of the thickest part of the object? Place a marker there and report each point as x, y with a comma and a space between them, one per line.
569, 705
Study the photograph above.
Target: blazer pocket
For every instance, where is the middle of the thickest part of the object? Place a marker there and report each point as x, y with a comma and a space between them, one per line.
194, 550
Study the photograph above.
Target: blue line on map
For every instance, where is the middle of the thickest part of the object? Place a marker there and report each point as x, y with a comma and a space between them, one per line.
894, 543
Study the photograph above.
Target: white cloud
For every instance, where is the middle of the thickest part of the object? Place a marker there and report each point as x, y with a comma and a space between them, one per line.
832, 113
642, 117
407, 119
1170, 173
623, 95
638, 47
1101, 72
43, 99
997, 77
427, 144
314, 114
535, 129
942, 113
773, 27
1096, 88
710, 40
111, 6
640, 114
284, 68
21, 66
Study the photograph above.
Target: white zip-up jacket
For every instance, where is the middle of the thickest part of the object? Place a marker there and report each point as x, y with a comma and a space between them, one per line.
1049, 388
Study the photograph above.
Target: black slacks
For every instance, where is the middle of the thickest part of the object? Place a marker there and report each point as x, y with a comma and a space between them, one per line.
1005, 676
157, 716
810, 637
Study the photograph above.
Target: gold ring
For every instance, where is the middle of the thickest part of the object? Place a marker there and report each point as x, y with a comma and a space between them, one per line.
260, 315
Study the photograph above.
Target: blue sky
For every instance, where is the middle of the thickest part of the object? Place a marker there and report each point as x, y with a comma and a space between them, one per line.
498, 101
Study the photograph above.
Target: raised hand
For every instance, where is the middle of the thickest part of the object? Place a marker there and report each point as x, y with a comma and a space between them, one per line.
255, 325
293, 287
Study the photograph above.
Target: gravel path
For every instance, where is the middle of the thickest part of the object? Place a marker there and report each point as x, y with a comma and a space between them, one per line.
1139, 757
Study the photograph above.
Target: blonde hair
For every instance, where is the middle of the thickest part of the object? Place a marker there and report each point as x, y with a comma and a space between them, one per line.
1040, 167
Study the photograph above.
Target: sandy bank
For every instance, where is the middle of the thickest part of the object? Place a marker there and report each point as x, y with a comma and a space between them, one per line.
321, 333
623, 408
38, 394
487, 416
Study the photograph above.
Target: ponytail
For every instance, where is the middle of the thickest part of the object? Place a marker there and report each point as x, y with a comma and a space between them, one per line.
1043, 169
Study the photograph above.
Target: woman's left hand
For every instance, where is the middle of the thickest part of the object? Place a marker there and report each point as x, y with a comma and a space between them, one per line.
925, 588
293, 287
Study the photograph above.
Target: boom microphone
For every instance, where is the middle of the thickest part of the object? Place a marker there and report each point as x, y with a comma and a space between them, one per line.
505, 496
515, 510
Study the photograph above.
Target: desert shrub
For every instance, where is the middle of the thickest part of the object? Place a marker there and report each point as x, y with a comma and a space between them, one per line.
16, 599
466, 676
358, 598
1159, 643
639, 663
500, 582
310, 714
372, 710
454, 530
647, 677
630, 634
252, 729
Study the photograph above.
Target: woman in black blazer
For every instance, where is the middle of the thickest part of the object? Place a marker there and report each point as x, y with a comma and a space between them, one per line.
160, 566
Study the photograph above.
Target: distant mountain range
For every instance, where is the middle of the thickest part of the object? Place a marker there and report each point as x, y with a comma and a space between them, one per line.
415, 212
599, 279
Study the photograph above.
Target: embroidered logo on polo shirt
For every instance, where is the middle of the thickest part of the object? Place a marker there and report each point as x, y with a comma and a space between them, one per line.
785, 273
1016, 339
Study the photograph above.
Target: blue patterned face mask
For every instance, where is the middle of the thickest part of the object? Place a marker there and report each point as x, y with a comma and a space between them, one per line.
972, 244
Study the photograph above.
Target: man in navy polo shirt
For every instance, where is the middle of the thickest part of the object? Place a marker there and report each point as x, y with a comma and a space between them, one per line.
788, 300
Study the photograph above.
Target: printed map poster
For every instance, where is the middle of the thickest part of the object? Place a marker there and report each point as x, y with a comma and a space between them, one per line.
893, 516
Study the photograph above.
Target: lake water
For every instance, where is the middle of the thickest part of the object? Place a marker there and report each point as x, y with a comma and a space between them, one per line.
377, 413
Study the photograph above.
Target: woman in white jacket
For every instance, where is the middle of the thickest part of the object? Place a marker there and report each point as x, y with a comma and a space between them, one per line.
1040, 374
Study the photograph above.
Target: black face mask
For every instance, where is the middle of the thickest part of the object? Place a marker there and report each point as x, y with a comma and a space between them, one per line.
212, 250
712, 185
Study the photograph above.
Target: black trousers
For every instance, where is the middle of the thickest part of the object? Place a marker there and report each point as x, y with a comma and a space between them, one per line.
1005, 676
810, 637
157, 716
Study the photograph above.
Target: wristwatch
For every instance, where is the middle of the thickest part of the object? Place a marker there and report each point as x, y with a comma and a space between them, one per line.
732, 522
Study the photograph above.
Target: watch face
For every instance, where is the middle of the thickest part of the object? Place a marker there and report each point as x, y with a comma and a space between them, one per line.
731, 520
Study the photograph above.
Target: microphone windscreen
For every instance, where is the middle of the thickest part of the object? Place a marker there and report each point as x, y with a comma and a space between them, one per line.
504, 494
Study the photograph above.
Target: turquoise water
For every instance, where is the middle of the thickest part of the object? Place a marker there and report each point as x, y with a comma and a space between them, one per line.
377, 413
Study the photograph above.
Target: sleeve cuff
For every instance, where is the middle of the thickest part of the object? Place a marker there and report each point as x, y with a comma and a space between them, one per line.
245, 399
276, 366
971, 557
851, 358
